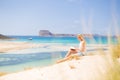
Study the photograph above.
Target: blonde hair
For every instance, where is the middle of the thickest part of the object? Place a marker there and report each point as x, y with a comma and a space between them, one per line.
80, 35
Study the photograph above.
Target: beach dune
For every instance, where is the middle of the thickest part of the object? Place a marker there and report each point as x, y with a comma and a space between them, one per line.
87, 68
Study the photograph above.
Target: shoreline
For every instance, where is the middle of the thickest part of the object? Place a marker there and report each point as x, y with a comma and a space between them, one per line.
27, 47
15, 46
81, 68
69, 69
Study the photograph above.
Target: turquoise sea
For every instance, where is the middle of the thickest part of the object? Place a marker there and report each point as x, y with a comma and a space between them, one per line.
16, 62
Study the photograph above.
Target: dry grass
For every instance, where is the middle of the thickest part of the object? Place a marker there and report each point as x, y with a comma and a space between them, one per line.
114, 71
2, 73
116, 51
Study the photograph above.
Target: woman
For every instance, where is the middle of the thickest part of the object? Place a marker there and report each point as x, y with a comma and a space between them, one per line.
75, 52
80, 50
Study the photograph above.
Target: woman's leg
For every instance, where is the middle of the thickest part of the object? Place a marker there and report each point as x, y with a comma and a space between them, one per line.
73, 56
70, 52
68, 56
64, 59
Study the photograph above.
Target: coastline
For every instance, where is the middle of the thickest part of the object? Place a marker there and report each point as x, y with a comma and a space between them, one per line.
15, 46
27, 47
93, 65
63, 71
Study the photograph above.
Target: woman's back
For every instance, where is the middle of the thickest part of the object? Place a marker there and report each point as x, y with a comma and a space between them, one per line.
82, 46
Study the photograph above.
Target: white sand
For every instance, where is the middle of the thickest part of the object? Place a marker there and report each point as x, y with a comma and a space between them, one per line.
24, 47
87, 68
14, 46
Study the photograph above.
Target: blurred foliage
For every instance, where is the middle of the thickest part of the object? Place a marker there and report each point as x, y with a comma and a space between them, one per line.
114, 71
2, 73
115, 50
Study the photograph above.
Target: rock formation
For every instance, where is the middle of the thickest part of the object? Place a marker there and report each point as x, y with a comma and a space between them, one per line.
45, 33
48, 33
4, 37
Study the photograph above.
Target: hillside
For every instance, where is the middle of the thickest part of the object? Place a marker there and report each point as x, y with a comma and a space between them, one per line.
47, 33
4, 37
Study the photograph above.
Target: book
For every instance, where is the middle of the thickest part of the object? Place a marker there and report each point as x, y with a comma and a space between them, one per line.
73, 48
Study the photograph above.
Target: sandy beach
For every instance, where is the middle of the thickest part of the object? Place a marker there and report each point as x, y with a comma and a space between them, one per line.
90, 67
87, 68
21, 46
59, 39
24, 47
15, 46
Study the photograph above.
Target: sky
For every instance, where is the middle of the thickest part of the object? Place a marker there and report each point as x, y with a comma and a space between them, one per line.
28, 17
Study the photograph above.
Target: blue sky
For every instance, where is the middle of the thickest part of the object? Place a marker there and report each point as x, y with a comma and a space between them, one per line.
27, 17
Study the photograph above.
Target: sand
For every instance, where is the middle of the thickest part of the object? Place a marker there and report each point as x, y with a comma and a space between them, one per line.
27, 47
15, 46
87, 68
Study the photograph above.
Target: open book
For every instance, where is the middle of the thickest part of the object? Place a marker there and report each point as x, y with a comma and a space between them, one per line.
73, 48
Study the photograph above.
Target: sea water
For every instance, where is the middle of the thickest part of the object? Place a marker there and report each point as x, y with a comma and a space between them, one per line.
17, 62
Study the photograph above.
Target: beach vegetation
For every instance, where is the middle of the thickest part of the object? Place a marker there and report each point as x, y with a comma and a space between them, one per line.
2, 73
114, 71
115, 50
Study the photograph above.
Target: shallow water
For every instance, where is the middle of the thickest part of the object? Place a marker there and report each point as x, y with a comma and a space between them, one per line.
64, 40
17, 62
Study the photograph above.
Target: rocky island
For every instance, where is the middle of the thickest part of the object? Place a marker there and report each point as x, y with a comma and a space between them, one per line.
3, 37
47, 33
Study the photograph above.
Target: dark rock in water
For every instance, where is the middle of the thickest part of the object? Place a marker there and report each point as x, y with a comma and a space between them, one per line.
4, 37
